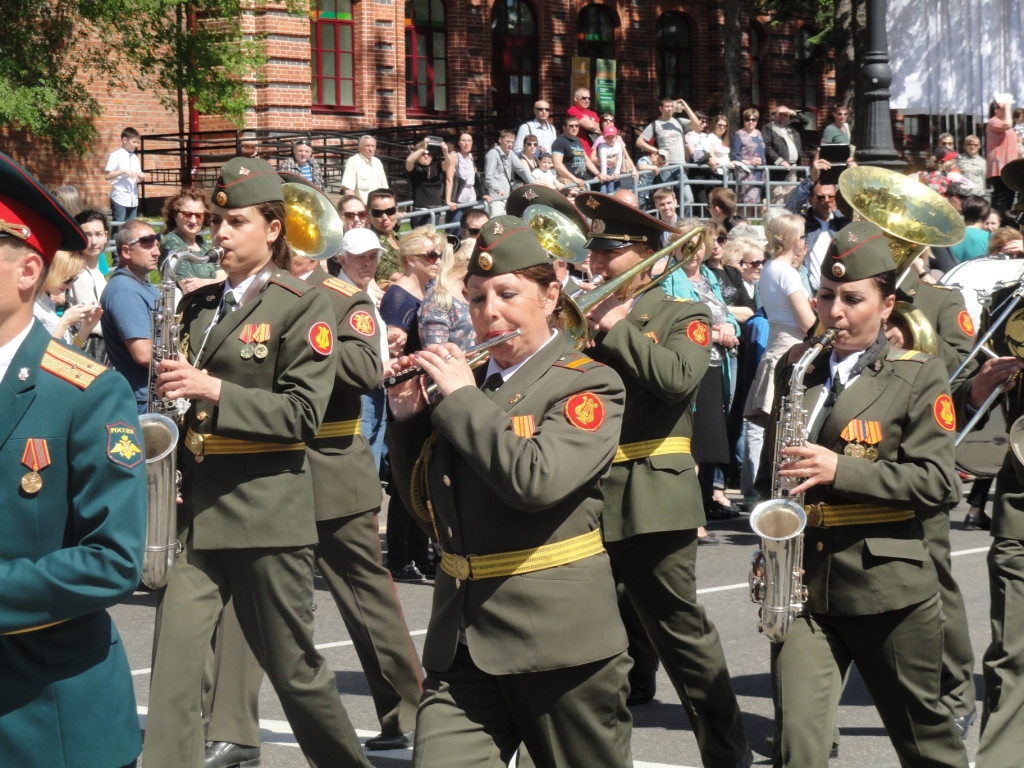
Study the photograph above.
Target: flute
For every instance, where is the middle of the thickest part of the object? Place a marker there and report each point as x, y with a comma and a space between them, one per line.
475, 356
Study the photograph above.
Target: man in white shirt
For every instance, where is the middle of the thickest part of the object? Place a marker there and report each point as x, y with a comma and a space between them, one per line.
540, 127
124, 169
363, 171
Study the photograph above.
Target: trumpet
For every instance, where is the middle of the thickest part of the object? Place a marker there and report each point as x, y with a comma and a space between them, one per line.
475, 356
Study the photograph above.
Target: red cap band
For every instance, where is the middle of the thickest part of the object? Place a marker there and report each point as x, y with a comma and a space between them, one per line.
42, 236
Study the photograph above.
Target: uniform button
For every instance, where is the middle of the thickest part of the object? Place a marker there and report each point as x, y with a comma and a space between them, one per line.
449, 531
202, 415
820, 546
446, 480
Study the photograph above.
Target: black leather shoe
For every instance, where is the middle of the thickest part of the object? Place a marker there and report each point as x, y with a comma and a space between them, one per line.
408, 574
429, 570
963, 723
979, 522
834, 753
641, 692
223, 754
382, 742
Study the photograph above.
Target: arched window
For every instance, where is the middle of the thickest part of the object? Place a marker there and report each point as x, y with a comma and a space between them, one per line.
806, 70
514, 45
426, 62
756, 82
675, 56
595, 36
332, 49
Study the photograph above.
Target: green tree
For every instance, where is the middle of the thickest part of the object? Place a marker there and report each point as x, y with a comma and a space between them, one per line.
48, 46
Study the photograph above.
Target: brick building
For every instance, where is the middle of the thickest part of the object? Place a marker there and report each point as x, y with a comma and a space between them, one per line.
360, 64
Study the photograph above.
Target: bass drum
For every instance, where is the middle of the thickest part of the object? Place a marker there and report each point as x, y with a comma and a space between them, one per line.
979, 279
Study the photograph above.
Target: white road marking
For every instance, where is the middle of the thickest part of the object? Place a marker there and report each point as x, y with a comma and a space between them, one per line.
726, 588
974, 551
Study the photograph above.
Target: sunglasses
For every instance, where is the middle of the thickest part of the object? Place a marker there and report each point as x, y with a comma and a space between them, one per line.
378, 212
473, 231
823, 198
541, 109
755, 264
191, 215
750, 120
722, 239
354, 215
722, 125
607, 119
584, 98
432, 256
531, 143
147, 241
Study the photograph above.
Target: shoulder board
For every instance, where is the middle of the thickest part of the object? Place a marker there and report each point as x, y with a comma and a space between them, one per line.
74, 367
680, 300
944, 287
346, 289
289, 283
576, 362
903, 355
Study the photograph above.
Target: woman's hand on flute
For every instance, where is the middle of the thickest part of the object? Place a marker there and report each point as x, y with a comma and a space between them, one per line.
446, 365
406, 398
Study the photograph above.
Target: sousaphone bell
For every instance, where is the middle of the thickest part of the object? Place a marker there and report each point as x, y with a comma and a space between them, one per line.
557, 234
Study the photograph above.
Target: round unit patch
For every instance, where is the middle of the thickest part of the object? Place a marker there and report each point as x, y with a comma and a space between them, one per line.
944, 412
321, 339
585, 411
698, 333
362, 323
965, 322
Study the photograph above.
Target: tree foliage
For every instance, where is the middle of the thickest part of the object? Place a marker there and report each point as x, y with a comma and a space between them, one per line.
51, 51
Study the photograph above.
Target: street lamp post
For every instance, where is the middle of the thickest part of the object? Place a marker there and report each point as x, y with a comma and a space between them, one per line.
874, 128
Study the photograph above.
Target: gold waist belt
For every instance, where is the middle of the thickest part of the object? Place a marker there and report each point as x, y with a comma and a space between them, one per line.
522, 560
35, 629
215, 445
823, 515
338, 429
660, 447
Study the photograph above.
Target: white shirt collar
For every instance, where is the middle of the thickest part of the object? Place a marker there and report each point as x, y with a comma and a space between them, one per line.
303, 277
239, 290
843, 367
10, 349
507, 373
823, 224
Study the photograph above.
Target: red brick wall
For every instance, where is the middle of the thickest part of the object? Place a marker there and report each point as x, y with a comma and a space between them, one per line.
282, 95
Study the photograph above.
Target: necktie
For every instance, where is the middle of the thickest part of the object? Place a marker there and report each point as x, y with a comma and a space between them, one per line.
830, 400
492, 384
228, 305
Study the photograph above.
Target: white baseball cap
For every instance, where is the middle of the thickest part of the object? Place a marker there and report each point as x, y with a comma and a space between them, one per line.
359, 241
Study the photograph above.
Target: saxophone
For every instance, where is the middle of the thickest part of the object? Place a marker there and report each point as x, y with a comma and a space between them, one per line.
775, 569
160, 432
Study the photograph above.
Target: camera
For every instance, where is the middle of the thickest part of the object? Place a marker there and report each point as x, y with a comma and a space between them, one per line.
434, 146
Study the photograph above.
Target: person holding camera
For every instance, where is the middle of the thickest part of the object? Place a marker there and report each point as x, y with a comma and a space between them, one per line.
427, 166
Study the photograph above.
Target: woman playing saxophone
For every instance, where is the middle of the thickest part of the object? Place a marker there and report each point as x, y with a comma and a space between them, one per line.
877, 461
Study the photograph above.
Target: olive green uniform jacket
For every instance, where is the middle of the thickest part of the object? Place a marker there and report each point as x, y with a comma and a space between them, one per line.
945, 309
867, 569
68, 551
241, 501
513, 472
661, 367
344, 465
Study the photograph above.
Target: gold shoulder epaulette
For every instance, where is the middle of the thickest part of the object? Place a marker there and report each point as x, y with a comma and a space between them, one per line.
289, 283
903, 355
74, 367
681, 301
575, 361
340, 286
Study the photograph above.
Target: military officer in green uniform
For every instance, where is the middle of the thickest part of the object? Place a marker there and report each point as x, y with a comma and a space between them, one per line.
258, 367
878, 461
73, 528
524, 642
347, 498
660, 346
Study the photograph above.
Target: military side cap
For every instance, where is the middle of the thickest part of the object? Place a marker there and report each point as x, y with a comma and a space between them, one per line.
615, 224
29, 214
246, 181
505, 245
859, 250
523, 197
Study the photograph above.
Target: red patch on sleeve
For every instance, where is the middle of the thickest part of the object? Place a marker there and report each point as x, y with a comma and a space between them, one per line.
965, 322
362, 323
944, 412
321, 339
585, 411
698, 333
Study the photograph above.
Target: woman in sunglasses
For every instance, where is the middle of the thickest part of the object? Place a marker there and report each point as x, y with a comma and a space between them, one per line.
185, 214
353, 212
77, 321
748, 150
529, 153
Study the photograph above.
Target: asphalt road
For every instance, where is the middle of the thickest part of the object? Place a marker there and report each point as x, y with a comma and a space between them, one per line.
661, 733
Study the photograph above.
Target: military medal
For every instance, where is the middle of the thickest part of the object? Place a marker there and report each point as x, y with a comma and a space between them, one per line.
245, 336
260, 335
861, 437
854, 449
871, 453
35, 457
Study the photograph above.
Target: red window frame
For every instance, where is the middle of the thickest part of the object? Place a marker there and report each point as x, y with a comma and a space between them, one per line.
331, 21
431, 31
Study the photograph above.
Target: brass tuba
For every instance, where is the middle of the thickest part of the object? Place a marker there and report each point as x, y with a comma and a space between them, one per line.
576, 307
557, 233
313, 227
913, 218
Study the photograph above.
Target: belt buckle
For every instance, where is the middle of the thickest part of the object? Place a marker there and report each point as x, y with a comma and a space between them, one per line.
816, 515
194, 441
463, 570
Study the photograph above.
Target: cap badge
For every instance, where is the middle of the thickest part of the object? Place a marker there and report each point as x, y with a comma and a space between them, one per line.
23, 374
851, 237
221, 198
19, 231
485, 261
838, 270
592, 202
499, 229
243, 171
597, 226
530, 194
